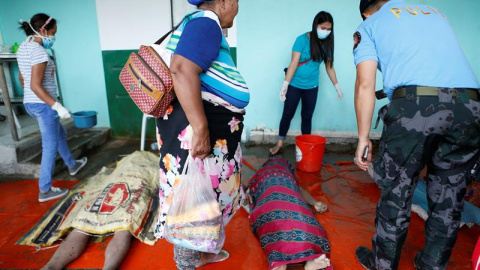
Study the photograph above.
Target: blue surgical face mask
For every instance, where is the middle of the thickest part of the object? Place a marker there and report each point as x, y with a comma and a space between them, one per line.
323, 34
48, 41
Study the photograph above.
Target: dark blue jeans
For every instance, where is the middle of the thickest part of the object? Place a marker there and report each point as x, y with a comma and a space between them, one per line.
309, 100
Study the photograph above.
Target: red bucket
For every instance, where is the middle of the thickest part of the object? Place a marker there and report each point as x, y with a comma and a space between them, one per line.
309, 152
476, 256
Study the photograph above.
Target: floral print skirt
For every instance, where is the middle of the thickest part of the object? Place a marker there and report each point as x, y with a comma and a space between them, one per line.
174, 134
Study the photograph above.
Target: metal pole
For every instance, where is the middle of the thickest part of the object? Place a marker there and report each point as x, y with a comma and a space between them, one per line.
15, 90
171, 14
6, 100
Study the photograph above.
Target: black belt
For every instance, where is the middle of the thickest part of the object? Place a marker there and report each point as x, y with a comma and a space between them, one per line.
423, 91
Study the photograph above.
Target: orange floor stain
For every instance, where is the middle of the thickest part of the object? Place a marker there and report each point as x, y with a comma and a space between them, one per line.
350, 195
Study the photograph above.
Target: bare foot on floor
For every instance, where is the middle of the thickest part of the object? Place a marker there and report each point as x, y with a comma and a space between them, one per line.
320, 207
208, 258
277, 149
283, 267
319, 263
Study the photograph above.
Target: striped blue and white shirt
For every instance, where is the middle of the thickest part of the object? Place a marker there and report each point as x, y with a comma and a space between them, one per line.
30, 54
200, 40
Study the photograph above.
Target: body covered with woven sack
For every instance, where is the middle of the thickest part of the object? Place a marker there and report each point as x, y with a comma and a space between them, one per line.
282, 220
122, 202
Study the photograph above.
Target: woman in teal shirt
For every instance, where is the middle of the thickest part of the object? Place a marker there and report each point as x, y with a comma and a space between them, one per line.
302, 76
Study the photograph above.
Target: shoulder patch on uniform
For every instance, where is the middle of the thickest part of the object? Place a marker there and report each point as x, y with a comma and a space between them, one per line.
357, 38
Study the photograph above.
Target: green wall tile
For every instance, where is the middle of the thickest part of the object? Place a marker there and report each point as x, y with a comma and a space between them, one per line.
125, 117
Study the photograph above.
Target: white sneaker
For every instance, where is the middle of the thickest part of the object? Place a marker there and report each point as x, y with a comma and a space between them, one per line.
79, 164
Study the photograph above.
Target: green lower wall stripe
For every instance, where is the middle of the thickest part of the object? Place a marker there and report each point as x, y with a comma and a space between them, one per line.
125, 117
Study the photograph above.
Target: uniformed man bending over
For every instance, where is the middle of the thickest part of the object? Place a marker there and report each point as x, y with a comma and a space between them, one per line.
433, 119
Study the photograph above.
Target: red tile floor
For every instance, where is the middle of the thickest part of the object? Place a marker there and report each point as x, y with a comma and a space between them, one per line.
349, 193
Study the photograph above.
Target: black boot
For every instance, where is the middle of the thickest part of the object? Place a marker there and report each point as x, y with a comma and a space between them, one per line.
365, 258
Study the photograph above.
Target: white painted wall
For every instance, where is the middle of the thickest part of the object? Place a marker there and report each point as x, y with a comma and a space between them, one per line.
232, 35
180, 8
127, 24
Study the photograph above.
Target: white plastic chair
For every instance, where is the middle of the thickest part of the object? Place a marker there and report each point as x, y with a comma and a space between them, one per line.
144, 127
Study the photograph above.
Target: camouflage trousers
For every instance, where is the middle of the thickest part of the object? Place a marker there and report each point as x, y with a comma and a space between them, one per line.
438, 132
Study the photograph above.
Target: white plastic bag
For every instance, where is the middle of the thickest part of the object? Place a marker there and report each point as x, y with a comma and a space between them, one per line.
165, 54
194, 219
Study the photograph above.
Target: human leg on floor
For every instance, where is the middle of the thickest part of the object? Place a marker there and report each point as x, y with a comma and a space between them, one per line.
445, 195
63, 149
281, 267
445, 203
447, 184
309, 101
48, 122
318, 263
208, 258
70, 249
397, 169
319, 206
289, 109
392, 221
73, 165
117, 249
186, 259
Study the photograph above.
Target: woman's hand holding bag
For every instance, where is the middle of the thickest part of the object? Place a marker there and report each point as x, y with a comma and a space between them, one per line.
200, 143
194, 219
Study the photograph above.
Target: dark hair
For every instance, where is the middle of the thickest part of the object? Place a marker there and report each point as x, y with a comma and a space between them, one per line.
206, 2
322, 49
37, 21
373, 6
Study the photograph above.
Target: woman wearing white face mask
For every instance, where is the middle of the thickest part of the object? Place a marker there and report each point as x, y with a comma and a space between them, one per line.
36, 75
302, 76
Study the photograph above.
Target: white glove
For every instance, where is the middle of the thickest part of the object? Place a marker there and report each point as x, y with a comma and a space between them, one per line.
339, 91
62, 112
283, 91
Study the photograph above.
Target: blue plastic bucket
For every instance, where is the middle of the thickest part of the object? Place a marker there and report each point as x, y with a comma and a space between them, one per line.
85, 119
